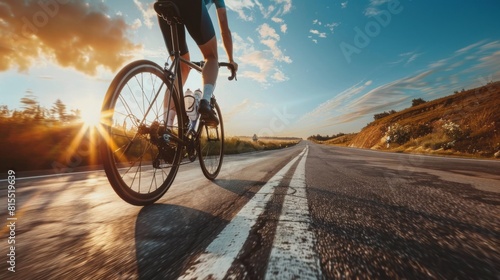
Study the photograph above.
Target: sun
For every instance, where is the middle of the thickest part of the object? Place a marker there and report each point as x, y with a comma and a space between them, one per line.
91, 115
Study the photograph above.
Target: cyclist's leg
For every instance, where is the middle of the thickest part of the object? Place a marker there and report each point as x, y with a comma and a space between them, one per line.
211, 68
170, 113
200, 27
209, 76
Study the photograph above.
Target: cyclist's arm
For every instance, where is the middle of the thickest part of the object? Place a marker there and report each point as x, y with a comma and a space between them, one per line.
227, 39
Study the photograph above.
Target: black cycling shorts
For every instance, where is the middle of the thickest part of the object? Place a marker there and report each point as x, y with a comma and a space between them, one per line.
195, 17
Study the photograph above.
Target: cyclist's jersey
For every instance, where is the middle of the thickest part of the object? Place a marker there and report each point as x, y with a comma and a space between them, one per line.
218, 3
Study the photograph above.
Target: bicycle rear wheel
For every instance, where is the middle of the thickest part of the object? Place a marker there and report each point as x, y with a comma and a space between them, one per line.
211, 146
139, 154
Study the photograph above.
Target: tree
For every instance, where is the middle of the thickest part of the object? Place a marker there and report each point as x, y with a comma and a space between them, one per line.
4, 111
59, 108
30, 106
416, 102
384, 114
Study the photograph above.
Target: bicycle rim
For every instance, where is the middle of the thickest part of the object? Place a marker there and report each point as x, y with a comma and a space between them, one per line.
211, 147
139, 157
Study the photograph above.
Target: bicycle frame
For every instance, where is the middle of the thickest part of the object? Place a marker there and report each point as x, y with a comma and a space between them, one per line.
174, 74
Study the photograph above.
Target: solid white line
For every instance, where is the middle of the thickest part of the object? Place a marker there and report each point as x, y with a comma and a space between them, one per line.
293, 255
53, 175
215, 262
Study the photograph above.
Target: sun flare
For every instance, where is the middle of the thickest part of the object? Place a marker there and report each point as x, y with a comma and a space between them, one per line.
91, 116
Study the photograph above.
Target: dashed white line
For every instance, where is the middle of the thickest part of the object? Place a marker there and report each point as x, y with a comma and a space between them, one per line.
215, 262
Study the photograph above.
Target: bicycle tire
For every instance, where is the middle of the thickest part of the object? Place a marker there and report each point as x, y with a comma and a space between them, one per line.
211, 153
131, 160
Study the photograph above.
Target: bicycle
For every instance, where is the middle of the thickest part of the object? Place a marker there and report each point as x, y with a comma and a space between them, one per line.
141, 152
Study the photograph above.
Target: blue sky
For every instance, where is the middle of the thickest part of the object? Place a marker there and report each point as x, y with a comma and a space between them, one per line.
306, 67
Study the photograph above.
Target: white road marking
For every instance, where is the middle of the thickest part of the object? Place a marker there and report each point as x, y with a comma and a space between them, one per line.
54, 175
293, 255
215, 262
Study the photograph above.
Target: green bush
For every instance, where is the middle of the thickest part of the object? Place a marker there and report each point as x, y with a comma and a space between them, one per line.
399, 134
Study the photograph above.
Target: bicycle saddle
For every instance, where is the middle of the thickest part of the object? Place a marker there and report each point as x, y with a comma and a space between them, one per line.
168, 11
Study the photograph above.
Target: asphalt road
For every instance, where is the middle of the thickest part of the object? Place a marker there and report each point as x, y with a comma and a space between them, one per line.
305, 212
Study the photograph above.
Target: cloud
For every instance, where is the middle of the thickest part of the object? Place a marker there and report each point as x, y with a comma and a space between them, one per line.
136, 25
327, 108
286, 6
78, 34
148, 12
259, 60
276, 51
265, 11
266, 31
359, 101
317, 33
265, 66
262, 55
372, 11
264, 62
243, 106
379, 96
283, 26
279, 76
269, 37
277, 20
332, 26
344, 4
378, 2
241, 7
407, 58
491, 46
245, 8
373, 8
238, 109
482, 55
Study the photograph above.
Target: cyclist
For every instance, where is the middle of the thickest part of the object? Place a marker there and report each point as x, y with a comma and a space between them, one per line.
194, 14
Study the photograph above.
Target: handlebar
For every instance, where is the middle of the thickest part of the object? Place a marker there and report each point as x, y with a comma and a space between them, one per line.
231, 67
221, 64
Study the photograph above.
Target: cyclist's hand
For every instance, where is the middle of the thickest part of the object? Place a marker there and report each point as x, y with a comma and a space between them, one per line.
235, 66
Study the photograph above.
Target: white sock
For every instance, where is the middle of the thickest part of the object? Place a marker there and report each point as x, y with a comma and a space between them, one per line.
208, 90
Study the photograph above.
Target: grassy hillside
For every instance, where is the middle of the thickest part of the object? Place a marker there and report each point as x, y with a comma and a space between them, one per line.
465, 123
244, 144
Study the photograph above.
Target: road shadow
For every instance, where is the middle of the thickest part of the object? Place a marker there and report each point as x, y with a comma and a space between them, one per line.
168, 236
239, 187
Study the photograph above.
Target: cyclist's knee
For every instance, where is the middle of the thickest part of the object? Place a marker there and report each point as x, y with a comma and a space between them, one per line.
209, 49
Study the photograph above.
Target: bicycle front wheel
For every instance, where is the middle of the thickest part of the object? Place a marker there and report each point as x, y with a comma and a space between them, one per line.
139, 154
211, 146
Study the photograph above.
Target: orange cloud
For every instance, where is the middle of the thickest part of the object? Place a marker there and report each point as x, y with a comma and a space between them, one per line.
71, 32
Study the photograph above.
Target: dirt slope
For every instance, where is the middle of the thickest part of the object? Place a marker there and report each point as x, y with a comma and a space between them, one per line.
467, 122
